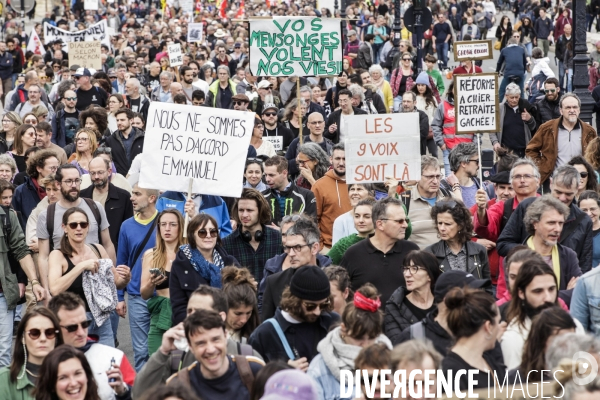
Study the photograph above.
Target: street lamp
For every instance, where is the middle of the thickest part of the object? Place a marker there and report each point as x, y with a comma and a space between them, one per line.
581, 79
396, 27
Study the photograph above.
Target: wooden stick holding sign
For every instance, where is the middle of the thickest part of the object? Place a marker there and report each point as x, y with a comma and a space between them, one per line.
187, 215
300, 130
478, 138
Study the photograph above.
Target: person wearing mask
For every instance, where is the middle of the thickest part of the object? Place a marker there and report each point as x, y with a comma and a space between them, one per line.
126, 143
203, 256
515, 60
518, 122
575, 234
455, 250
303, 317
203, 327
463, 182
330, 195
136, 102
88, 94
221, 91
549, 106
474, 321
412, 302
168, 359
344, 225
156, 269
283, 196
239, 287
37, 335
316, 127
376, 258
361, 326
70, 311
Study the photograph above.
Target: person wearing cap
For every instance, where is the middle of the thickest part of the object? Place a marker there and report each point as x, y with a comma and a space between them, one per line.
278, 133
216, 375
88, 94
519, 121
222, 90
302, 320
361, 326
352, 47
264, 89
240, 102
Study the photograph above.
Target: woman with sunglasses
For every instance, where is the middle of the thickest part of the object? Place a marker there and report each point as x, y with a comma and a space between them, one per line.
253, 174
197, 263
263, 147
402, 79
25, 137
85, 146
67, 266
115, 102
412, 302
156, 268
589, 177
10, 122
361, 327
30, 118
37, 335
455, 250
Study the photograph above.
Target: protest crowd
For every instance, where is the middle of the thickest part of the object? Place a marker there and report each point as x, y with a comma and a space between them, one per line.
278, 292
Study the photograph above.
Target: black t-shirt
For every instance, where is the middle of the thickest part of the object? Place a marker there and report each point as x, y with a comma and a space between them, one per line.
95, 95
71, 125
455, 363
226, 387
418, 312
135, 105
281, 131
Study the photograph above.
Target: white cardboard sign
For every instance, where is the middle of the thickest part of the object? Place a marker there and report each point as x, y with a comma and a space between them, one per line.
175, 56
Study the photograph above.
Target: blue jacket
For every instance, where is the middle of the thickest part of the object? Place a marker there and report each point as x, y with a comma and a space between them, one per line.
212, 205
25, 198
516, 61
6, 65
585, 303
328, 386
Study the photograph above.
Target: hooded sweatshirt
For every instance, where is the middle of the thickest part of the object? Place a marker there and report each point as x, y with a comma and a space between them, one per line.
331, 193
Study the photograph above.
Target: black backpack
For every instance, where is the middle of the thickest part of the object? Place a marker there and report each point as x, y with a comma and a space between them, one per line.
389, 59
536, 87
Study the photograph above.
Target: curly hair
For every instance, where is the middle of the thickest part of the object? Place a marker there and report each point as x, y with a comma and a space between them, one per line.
592, 180
460, 214
39, 160
592, 153
293, 304
98, 114
314, 152
540, 206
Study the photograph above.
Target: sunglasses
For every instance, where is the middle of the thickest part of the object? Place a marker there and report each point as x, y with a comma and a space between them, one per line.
313, 306
71, 98
72, 328
583, 174
270, 114
549, 90
203, 233
238, 103
406, 59
34, 334
73, 225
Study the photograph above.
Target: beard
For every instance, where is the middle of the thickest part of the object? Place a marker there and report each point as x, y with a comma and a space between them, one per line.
100, 184
69, 196
533, 311
269, 99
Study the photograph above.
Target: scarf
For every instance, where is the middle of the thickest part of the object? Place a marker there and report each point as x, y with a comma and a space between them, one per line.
555, 259
338, 355
41, 192
209, 271
378, 82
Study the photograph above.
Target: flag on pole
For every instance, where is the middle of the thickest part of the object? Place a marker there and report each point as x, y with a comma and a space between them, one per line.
241, 11
223, 9
35, 44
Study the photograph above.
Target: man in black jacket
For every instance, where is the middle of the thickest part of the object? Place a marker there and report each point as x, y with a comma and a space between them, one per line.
365, 52
116, 201
126, 143
307, 301
576, 232
6, 69
409, 105
335, 128
559, 53
549, 106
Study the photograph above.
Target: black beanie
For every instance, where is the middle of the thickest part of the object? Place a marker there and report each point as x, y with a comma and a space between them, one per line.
310, 283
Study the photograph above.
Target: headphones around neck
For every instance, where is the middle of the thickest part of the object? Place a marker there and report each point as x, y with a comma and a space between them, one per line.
247, 236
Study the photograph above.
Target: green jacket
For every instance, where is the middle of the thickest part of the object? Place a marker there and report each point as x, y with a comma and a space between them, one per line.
339, 249
18, 248
214, 100
19, 390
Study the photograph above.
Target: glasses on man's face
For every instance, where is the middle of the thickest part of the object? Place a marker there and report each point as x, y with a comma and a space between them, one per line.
475, 161
399, 221
72, 328
270, 114
313, 306
522, 177
34, 334
71, 182
203, 233
296, 249
550, 90
239, 103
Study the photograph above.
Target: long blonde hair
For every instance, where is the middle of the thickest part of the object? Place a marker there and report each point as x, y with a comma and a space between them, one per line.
92, 138
159, 253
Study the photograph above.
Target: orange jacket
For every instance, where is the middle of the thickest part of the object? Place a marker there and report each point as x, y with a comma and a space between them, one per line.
331, 193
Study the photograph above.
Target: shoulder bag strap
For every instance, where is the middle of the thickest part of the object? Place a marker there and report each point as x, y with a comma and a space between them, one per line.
51, 210
282, 338
245, 371
92, 205
140, 248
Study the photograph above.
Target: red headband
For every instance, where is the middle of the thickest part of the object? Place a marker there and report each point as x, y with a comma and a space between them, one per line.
364, 303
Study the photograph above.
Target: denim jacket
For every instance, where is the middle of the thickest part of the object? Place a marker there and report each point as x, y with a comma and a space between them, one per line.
585, 303
328, 386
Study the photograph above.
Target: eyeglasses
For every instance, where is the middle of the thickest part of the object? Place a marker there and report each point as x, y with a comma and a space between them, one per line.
413, 269
70, 182
302, 162
76, 77
475, 161
268, 88
400, 221
297, 248
521, 177
270, 114
432, 177
34, 334
406, 59
313, 306
82, 139
549, 90
238, 103
6, 121
103, 150
583, 174
73, 225
72, 328
203, 233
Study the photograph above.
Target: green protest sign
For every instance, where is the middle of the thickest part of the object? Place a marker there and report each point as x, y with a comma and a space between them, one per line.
295, 46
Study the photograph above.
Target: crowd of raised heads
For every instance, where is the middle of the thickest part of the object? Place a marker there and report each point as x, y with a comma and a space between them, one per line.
113, 291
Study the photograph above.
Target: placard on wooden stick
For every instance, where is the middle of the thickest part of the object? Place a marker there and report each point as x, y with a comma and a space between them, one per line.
85, 54
476, 105
473, 50
175, 55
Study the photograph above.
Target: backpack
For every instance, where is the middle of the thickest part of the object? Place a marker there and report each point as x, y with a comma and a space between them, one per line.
536, 87
489, 21
508, 210
52, 211
6, 225
389, 58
